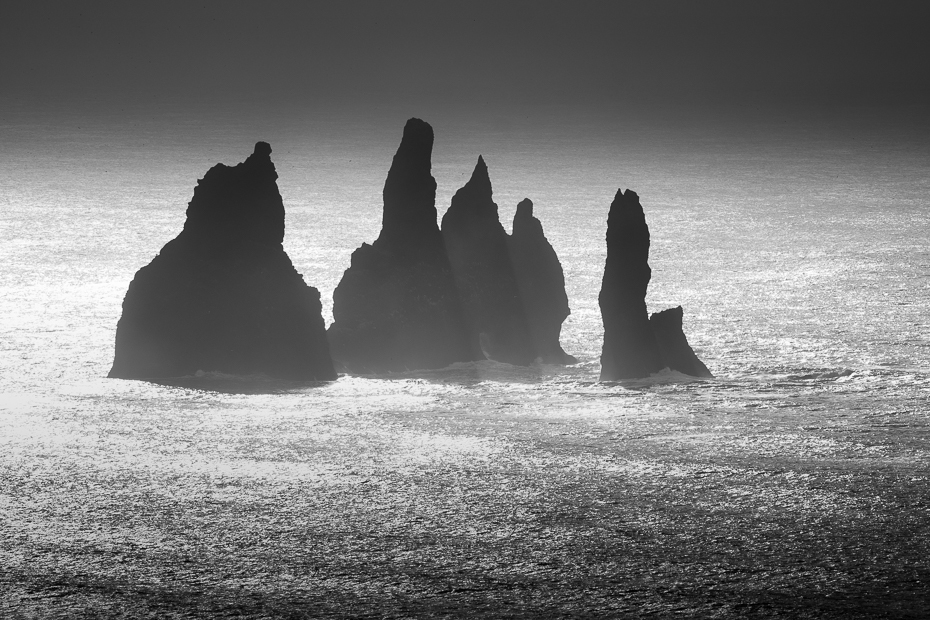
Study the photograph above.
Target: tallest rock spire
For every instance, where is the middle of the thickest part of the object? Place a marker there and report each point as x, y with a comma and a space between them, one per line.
396, 307
410, 189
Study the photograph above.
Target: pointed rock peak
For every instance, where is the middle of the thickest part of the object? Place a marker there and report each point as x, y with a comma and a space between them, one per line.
481, 170
480, 181
524, 209
262, 148
626, 197
626, 203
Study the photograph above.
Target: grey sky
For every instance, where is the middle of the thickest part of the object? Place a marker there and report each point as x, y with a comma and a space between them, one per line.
493, 54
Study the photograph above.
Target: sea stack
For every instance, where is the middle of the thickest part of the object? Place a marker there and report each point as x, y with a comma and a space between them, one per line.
477, 246
397, 307
630, 348
636, 345
676, 353
541, 282
223, 295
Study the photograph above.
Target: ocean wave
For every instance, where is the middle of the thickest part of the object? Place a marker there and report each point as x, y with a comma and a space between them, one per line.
227, 383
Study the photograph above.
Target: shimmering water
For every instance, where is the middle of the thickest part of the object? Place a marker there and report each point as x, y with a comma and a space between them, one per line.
795, 484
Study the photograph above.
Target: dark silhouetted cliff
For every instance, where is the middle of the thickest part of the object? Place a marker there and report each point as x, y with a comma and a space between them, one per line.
676, 353
541, 283
630, 348
223, 295
397, 307
477, 246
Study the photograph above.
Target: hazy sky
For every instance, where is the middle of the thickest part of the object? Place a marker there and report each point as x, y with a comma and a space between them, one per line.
496, 55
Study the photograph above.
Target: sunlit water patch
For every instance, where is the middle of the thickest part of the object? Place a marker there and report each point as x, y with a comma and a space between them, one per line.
799, 471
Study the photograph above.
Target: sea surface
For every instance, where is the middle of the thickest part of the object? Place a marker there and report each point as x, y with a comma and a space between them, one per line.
795, 484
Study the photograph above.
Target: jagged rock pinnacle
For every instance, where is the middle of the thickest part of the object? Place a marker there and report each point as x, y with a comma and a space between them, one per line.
484, 276
630, 349
477, 192
636, 346
410, 189
480, 181
396, 307
541, 282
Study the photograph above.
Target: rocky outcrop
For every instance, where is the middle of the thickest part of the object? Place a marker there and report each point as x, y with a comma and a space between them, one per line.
636, 346
223, 295
480, 257
541, 282
630, 348
397, 307
676, 353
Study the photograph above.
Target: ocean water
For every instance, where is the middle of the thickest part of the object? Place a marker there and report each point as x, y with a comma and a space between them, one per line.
794, 484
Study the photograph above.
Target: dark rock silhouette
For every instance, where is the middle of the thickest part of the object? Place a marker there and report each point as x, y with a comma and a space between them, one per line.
636, 345
630, 348
480, 257
223, 295
541, 282
397, 307
676, 353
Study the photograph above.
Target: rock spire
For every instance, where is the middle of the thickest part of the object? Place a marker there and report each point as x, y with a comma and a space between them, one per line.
480, 258
397, 307
630, 347
634, 345
541, 282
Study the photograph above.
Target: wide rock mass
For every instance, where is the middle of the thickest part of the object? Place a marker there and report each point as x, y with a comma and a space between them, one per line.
480, 256
397, 307
541, 282
676, 353
223, 295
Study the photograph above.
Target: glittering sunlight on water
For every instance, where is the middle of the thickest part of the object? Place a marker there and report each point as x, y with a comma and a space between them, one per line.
795, 480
